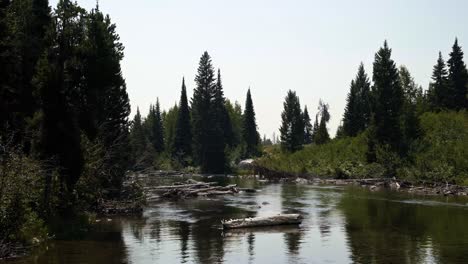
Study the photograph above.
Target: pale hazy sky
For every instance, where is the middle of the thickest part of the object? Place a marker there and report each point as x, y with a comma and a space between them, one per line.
312, 47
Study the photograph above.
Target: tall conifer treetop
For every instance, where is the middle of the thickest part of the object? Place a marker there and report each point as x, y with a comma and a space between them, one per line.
458, 79
182, 148
249, 131
388, 99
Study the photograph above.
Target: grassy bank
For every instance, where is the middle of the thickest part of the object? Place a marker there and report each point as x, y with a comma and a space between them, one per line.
439, 154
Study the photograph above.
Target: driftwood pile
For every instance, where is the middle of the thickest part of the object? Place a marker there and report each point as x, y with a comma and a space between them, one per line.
192, 188
281, 219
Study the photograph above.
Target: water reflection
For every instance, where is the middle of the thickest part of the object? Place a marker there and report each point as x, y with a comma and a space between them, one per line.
340, 226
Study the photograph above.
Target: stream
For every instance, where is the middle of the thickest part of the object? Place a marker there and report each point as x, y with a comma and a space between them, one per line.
342, 224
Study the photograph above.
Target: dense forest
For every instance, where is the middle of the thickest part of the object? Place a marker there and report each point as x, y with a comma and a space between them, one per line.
210, 133
391, 127
66, 138
66, 141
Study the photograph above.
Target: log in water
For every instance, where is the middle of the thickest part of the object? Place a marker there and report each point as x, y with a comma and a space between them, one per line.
281, 219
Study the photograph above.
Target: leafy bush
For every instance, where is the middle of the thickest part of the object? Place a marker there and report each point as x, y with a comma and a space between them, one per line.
440, 154
21, 194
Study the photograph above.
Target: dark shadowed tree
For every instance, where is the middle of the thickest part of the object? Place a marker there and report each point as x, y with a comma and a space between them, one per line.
182, 148
439, 89
358, 105
388, 100
249, 128
412, 97
208, 119
308, 129
322, 135
458, 79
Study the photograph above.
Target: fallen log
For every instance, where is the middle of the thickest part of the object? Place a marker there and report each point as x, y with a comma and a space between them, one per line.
184, 186
281, 219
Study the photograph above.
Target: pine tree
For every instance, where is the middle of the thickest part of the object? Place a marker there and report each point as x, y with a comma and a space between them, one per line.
412, 97
104, 105
235, 115
169, 125
208, 119
388, 100
458, 79
57, 81
438, 89
6, 70
158, 130
182, 148
308, 129
249, 128
292, 125
315, 129
226, 120
358, 105
322, 135
138, 139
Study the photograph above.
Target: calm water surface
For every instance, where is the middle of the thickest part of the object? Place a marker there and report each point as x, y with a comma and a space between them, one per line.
341, 225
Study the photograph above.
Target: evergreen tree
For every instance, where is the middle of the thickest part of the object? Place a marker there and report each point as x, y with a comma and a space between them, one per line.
458, 79
104, 106
235, 115
226, 120
315, 128
292, 125
388, 100
58, 81
438, 89
249, 128
208, 119
322, 135
182, 148
6, 70
308, 129
358, 105
139, 141
412, 97
169, 125
158, 130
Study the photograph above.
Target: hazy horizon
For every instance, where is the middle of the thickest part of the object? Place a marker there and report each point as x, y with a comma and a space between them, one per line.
311, 47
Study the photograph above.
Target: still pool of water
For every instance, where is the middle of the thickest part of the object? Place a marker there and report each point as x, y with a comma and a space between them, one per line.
341, 225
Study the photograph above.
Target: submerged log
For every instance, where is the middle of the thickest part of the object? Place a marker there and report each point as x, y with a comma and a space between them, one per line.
281, 219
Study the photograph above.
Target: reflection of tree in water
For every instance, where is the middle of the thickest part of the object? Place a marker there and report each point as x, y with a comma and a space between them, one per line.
206, 233
106, 245
251, 243
383, 231
293, 241
291, 194
137, 229
156, 231
326, 204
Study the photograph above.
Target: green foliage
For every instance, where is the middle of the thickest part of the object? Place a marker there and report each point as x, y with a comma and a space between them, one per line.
307, 127
292, 124
208, 119
321, 135
21, 196
388, 100
169, 126
358, 105
441, 153
339, 158
458, 79
249, 129
182, 147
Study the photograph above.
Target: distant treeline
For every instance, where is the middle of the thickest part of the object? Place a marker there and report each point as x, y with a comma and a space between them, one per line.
210, 132
390, 122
